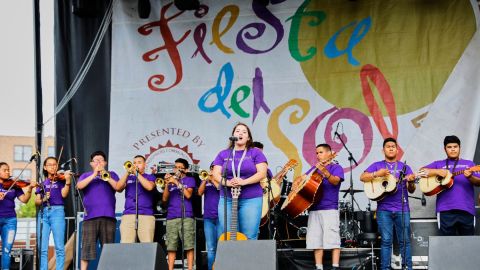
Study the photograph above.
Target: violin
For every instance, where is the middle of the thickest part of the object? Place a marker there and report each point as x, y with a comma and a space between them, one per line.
60, 175
19, 184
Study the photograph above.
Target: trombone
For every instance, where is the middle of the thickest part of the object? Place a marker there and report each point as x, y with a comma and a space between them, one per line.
160, 182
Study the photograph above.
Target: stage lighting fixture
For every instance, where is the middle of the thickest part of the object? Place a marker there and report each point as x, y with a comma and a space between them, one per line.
187, 4
144, 8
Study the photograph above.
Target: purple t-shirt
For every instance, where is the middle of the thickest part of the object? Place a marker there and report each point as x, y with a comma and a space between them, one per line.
461, 195
7, 205
210, 201
248, 168
98, 197
55, 189
329, 192
145, 197
392, 202
175, 200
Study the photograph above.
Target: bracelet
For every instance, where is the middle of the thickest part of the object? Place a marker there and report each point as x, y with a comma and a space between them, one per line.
68, 184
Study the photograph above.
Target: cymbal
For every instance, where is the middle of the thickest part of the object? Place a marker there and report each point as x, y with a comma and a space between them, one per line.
348, 190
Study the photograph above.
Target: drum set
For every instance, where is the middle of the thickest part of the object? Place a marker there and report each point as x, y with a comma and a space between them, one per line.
292, 232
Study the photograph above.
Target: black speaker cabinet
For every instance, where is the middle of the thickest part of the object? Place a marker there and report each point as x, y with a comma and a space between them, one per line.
453, 252
241, 255
138, 256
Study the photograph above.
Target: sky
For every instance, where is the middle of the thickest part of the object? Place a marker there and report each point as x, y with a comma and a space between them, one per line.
17, 73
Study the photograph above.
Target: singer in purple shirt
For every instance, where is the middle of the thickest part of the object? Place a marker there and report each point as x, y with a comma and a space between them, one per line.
390, 210
456, 205
136, 182
245, 166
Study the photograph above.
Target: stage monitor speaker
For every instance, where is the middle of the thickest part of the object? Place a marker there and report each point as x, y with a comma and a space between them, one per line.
241, 255
138, 256
453, 252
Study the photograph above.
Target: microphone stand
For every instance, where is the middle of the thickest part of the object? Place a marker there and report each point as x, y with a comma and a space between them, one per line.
76, 197
182, 220
136, 207
403, 186
223, 183
40, 212
269, 190
352, 161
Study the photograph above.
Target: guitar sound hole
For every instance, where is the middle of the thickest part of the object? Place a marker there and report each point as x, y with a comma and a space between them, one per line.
384, 184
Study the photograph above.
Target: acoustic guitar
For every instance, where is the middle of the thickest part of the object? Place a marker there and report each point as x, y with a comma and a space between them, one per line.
435, 184
233, 234
305, 190
379, 187
275, 192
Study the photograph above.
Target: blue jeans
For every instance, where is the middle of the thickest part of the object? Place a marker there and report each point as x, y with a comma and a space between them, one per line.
212, 233
53, 221
8, 229
387, 221
249, 215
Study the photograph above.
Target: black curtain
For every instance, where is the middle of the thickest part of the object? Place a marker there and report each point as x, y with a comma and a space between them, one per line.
83, 125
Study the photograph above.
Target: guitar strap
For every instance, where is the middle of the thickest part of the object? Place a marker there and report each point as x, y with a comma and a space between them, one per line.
395, 170
454, 165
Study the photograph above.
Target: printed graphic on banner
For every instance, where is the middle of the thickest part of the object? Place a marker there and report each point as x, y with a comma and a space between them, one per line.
296, 72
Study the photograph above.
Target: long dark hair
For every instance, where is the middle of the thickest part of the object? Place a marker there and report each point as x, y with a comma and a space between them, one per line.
250, 140
45, 172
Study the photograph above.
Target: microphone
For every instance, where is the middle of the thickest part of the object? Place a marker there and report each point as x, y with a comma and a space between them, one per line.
336, 130
233, 139
423, 200
34, 156
404, 170
144, 8
67, 162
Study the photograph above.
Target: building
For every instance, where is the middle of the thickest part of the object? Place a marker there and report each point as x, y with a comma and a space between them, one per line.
17, 151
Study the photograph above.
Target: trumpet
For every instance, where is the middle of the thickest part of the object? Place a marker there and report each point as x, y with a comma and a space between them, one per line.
203, 175
128, 165
105, 175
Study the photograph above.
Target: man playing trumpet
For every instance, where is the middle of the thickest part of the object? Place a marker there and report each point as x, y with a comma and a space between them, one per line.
98, 188
136, 182
178, 193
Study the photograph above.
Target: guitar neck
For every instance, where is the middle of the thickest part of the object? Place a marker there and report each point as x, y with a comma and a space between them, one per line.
234, 219
278, 177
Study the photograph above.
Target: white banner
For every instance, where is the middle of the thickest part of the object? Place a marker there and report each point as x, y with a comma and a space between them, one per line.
294, 72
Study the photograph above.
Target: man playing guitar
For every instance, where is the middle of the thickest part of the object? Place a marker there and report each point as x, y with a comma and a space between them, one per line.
323, 219
456, 205
390, 207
